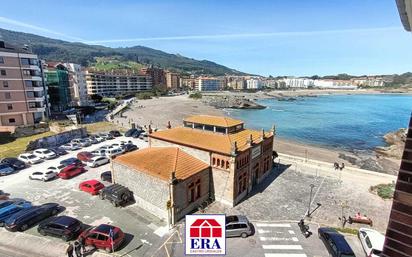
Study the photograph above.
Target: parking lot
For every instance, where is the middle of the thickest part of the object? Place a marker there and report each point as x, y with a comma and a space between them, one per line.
135, 222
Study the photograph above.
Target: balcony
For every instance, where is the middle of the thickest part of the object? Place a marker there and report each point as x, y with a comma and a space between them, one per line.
37, 109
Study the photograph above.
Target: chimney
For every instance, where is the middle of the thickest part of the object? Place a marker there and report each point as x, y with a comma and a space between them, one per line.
250, 140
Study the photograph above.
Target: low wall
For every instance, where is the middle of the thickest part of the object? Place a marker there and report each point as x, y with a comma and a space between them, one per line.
56, 140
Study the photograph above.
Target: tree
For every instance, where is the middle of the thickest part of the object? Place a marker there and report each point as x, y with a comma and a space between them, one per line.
96, 98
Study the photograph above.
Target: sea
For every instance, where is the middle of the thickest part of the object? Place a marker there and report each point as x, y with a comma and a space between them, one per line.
347, 122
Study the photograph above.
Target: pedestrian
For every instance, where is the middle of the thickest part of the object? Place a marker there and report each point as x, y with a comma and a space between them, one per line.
82, 242
69, 250
77, 249
343, 166
336, 165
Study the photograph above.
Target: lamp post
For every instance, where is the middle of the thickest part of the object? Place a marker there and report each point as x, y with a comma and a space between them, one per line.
310, 199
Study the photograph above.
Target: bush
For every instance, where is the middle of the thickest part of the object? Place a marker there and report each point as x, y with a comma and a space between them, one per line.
144, 95
196, 95
385, 191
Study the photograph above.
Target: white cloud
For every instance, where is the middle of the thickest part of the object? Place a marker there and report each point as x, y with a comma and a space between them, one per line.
245, 35
33, 27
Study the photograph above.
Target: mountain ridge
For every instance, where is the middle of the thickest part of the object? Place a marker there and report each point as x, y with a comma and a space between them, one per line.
59, 50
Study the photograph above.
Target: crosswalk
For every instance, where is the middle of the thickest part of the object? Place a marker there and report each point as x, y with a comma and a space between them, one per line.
279, 240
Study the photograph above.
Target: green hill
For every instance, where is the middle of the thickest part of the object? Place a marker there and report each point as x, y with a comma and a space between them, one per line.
59, 50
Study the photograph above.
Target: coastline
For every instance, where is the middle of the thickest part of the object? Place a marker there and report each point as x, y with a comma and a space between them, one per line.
159, 111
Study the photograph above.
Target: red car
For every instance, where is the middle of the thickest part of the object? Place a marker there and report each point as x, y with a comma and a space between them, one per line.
71, 171
104, 236
84, 156
91, 186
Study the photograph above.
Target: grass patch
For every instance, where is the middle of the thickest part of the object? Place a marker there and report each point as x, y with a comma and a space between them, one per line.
103, 126
352, 231
385, 191
196, 95
15, 147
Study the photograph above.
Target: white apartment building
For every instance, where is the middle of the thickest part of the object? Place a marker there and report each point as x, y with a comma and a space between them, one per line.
77, 80
106, 84
334, 84
298, 82
253, 84
369, 81
210, 84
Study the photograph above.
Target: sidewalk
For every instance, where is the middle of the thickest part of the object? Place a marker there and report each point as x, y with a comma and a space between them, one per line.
23, 244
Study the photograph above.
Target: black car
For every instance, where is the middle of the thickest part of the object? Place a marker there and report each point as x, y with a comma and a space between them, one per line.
64, 227
117, 194
68, 161
23, 220
15, 163
115, 133
58, 151
137, 133
106, 176
129, 147
335, 243
130, 132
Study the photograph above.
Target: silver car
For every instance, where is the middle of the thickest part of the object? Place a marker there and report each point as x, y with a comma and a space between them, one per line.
238, 226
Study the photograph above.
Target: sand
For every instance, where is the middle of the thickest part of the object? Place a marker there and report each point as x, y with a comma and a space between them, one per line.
159, 111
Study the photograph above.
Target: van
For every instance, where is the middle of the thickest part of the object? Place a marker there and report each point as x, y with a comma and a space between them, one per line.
112, 152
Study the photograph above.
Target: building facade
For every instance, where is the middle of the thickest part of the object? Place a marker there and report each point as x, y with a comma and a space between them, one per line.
210, 84
22, 88
107, 84
172, 80
77, 81
59, 88
398, 242
158, 76
254, 84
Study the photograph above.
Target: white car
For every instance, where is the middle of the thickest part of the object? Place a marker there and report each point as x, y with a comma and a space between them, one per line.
71, 147
112, 152
98, 138
29, 158
43, 176
99, 152
372, 241
53, 169
44, 153
97, 161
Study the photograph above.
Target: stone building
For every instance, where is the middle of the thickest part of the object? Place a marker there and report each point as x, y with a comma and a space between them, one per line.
208, 157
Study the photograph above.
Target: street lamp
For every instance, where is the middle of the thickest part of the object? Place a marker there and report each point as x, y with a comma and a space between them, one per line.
310, 199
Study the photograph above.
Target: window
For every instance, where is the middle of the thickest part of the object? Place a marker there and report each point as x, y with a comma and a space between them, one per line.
25, 61
198, 192
30, 94
9, 107
28, 83
12, 120
7, 95
26, 72
214, 161
191, 195
5, 84
3, 72
368, 242
1, 59
218, 162
227, 165
32, 105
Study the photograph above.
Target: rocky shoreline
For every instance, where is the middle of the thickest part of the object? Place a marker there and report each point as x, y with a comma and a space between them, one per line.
231, 101
396, 144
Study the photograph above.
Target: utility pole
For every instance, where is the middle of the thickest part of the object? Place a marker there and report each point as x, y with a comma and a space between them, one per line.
343, 205
310, 199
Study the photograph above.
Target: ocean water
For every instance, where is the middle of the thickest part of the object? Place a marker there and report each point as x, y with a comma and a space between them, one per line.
350, 122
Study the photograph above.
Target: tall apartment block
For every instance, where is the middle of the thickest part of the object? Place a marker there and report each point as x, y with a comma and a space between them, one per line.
210, 84
59, 88
22, 89
399, 232
158, 76
107, 84
172, 80
77, 81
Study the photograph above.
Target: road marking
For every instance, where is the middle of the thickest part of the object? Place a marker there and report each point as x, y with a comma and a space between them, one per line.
262, 231
285, 255
291, 232
282, 247
262, 238
273, 225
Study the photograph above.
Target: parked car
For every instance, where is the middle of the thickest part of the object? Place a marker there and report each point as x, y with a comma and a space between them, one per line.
115, 133
116, 194
106, 176
98, 138
58, 151
100, 237
29, 158
130, 132
69, 161
64, 227
4, 195
335, 243
91, 140
113, 152
372, 241
97, 161
53, 169
82, 142
91, 186
129, 148
5, 169
44, 153
84, 156
106, 136
136, 134
43, 176
71, 147
99, 152
15, 163
238, 226
23, 220
12, 206
144, 136
71, 171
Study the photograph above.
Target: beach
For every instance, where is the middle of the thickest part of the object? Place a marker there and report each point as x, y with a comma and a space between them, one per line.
159, 111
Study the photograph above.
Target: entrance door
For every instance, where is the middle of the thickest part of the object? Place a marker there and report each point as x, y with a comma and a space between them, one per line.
255, 174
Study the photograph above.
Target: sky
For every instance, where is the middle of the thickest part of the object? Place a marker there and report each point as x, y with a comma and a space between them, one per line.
293, 38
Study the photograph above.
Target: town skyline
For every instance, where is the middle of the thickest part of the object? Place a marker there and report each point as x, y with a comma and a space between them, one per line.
265, 45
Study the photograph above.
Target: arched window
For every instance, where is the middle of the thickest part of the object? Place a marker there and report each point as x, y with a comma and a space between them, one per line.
214, 161
218, 162
227, 164
222, 164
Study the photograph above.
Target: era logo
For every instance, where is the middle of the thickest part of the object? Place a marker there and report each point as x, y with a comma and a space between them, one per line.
205, 234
